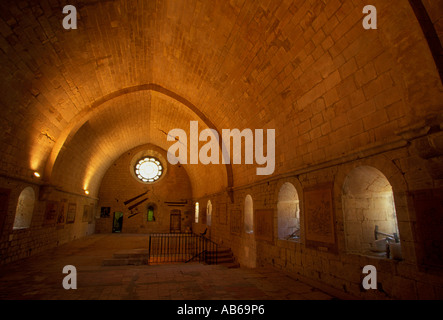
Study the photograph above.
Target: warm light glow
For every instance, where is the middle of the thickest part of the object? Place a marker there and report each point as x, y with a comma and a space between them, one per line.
148, 170
197, 211
86, 192
37, 174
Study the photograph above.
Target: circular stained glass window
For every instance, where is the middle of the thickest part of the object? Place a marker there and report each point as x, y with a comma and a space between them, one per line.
148, 169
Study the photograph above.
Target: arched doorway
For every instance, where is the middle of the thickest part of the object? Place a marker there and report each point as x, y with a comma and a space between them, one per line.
175, 221
117, 225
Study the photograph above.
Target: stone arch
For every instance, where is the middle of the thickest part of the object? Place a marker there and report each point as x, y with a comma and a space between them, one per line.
400, 193
369, 208
85, 114
25, 209
288, 212
209, 213
249, 214
431, 35
299, 188
197, 212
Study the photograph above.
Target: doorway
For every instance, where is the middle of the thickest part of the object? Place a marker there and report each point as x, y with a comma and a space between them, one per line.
117, 226
175, 225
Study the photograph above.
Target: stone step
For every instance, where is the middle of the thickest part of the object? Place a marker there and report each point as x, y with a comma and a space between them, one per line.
231, 265
212, 255
219, 260
219, 251
222, 256
127, 258
124, 262
130, 255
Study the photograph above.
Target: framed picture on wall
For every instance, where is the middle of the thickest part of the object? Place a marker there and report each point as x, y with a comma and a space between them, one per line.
264, 224
105, 212
61, 213
51, 212
223, 214
236, 222
87, 212
93, 213
319, 217
70, 215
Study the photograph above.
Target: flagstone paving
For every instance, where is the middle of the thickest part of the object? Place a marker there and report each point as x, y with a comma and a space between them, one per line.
41, 277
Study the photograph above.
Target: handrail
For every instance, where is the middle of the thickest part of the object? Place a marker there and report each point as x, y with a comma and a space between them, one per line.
180, 247
197, 255
212, 244
391, 237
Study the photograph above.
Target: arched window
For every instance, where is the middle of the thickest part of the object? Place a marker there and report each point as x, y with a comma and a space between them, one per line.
209, 213
249, 215
370, 218
148, 170
25, 209
288, 208
151, 214
197, 211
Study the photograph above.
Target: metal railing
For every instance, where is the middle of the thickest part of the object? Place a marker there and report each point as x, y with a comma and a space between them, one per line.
181, 247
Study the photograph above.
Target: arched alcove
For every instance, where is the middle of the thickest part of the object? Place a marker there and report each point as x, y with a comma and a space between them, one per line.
249, 215
370, 218
288, 208
197, 212
209, 213
25, 209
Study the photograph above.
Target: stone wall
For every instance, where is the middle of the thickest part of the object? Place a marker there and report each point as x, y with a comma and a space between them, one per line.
338, 96
42, 234
412, 277
120, 186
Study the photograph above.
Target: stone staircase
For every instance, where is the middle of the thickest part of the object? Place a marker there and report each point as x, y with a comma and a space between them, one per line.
222, 256
134, 257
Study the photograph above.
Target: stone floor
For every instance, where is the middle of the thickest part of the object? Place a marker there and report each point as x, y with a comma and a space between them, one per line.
40, 277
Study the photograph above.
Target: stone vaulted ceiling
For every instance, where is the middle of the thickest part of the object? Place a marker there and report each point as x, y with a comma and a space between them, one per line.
73, 101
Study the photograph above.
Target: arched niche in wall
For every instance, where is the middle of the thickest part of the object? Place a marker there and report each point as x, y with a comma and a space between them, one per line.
197, 212
288, 211
370, 218
209, 213
25, 209
249, 215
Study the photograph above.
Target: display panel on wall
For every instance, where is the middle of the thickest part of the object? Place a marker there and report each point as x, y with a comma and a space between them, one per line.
105, 212
264, 224
70, 215
222, 213
319, 217
236, 222
51, 212
87, 213
61, 213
